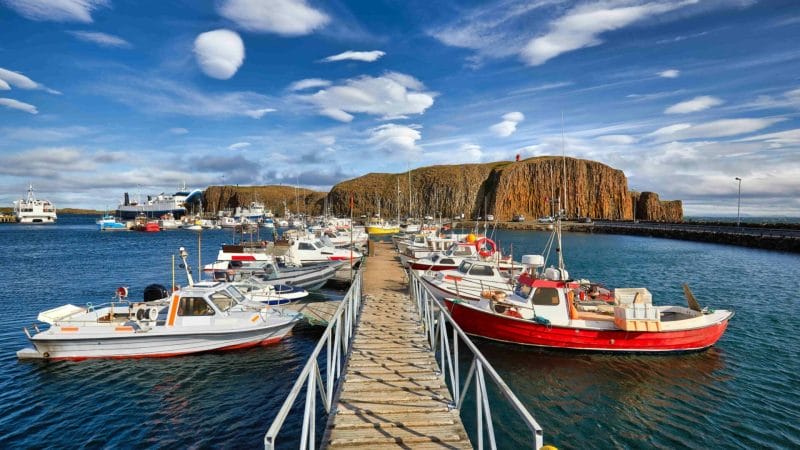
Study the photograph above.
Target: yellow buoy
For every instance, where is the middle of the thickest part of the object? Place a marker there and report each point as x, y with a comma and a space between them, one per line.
470, 238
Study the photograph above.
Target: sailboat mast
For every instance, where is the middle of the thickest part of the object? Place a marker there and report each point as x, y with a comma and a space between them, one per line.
564, 165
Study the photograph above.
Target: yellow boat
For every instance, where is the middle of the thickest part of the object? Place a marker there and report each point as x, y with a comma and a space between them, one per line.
378, 227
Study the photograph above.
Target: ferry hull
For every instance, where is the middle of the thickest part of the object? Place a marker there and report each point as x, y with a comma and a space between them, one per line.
132, 212
525, 332
156, 345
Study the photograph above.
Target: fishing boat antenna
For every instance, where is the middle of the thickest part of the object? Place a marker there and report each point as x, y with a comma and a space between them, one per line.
184, 256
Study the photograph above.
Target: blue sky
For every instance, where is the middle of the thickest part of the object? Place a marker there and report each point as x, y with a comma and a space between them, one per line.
98, 97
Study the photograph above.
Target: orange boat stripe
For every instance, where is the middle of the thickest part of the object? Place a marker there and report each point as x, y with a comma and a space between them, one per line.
125, 328
173, 309
254, 318
69, 328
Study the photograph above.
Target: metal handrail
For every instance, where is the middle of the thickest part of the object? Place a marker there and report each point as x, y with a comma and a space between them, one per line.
434, 317
335, 342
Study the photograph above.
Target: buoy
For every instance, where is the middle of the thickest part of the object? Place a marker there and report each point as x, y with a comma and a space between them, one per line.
470, 238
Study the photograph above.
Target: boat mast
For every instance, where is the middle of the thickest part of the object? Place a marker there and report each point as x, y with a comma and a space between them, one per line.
398, 200
564, 161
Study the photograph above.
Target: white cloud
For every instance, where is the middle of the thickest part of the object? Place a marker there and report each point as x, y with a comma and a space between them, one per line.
219, 53
617, 139
396, 139
509, 124
56, 10
582, 26
4, 86
370, 56
327, 140
283, 17
714, 129
392, 95
696, 104
178, 131
670, 73
470, 153
15, 104
309, 83
101, 39
258, 113
780, 138
39, 134
239, 146
10, 78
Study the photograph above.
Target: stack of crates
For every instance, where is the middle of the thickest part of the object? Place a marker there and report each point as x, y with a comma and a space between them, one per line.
634, 310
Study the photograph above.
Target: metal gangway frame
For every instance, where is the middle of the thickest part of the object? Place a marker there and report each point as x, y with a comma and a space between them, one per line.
435, 319
335, 343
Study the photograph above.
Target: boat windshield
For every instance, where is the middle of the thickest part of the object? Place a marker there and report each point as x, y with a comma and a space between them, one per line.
464, 267
523, 290
222, 300
462, 251
237, 294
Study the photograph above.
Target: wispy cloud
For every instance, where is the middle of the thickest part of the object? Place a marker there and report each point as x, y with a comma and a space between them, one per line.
509, 124
56, 10
309, 83
282, 17
239, 146
713, 129
582, 26
18, 80
178, 131
669, 73
392, 95
617, 139
219, 53
101, 39
696, 104
18, 105
542, 87
159, 95
351, 55
50, 134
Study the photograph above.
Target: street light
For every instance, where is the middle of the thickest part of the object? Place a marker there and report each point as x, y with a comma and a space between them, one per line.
739, 201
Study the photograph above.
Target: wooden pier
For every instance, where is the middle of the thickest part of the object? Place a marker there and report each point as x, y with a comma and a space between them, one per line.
393, 395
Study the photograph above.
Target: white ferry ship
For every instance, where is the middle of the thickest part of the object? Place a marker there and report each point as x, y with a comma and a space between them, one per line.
157, 206
31, 210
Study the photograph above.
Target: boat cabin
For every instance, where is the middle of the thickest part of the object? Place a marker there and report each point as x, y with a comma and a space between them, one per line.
202, 304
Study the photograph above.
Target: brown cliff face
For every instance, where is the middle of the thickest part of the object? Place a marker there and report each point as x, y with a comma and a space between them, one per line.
506, 188
217, 198
647, 206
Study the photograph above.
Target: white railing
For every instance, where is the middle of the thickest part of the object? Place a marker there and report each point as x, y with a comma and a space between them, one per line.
335, 345
435, 319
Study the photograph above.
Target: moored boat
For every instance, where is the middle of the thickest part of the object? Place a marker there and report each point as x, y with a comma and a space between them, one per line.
31, 210
110, 223
204, 317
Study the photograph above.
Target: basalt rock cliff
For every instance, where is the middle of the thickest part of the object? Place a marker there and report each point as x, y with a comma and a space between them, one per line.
504, 189
217, 198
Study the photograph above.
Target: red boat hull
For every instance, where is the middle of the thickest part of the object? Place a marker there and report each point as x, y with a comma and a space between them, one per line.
526, 332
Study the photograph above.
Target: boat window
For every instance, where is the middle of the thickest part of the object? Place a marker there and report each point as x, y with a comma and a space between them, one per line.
463, 251
305, 246
447, 261
237, 294
464, 267
223, 300
545, 296
194, 306
482, 270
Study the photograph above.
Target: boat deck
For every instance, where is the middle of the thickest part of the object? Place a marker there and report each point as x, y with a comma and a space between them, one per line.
392, 395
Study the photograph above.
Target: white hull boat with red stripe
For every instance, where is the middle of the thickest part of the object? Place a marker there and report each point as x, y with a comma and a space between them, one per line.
306, 252
199, 318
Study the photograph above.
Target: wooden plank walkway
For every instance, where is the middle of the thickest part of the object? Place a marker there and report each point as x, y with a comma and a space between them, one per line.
392, 395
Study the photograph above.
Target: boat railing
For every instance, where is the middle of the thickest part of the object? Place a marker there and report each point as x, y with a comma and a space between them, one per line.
333, 346
435, 318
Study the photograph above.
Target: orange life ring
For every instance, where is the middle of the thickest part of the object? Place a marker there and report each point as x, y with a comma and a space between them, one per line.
480, 247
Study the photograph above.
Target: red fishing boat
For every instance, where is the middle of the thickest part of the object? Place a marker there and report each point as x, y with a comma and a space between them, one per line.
549, 309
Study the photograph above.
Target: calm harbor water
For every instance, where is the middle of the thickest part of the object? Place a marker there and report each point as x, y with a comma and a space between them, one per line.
742, 393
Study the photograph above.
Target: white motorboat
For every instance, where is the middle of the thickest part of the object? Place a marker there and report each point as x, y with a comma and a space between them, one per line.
31, 210
204, 317
268, 294
471, 280
304, 252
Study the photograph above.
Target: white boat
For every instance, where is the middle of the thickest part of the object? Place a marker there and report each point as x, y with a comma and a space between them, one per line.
32, 210
268, 294
468, 282
168, 222
204, 317
254, 212
304, 252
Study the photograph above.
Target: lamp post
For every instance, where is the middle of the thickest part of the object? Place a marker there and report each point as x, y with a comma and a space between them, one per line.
738, 202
